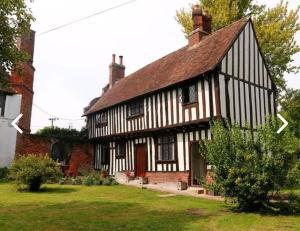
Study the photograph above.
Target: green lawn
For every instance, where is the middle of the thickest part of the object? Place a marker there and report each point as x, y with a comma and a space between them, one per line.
124, 208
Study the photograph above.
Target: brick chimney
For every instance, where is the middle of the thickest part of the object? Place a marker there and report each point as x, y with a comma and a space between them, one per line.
116, 70
22, 82
201, 25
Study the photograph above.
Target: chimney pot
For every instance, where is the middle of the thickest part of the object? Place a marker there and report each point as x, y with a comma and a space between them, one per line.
196, 8
116, 71
201, 24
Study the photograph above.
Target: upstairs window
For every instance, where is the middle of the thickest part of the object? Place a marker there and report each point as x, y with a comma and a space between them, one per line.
135, 108
101, 119
2, 103
188, 94
120, 149
166, 148
104, 154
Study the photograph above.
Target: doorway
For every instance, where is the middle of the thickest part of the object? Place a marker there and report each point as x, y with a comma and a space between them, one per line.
198, 165
141, 159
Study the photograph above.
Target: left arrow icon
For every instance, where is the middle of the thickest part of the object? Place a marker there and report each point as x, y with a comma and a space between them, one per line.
15, 121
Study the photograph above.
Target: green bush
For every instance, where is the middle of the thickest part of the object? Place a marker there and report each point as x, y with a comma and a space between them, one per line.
4, 173
97, 181
62, 181
88, 181
93, 178
76, 181
109, 181
247, 167
32, 171
294, 175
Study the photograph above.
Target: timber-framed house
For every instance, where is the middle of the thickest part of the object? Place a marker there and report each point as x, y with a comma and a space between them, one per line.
151, 121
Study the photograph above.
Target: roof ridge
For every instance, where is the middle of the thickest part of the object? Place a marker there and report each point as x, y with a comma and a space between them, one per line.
186, 46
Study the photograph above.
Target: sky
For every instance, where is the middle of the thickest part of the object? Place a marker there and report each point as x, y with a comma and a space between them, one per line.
72, 63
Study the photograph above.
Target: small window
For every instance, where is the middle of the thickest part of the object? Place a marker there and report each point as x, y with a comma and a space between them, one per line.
120, 149
101, 119
189, 94
165, 148
2, 103
104, 154
135, 108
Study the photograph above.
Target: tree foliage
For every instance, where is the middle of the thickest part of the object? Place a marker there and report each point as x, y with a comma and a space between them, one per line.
63, 133
15, 20
275, 28
247, 167
32, 171
290, 109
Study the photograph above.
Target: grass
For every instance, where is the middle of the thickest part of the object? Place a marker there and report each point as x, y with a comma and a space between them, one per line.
124, 208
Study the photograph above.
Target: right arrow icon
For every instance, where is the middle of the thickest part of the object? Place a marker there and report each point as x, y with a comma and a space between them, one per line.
285, 123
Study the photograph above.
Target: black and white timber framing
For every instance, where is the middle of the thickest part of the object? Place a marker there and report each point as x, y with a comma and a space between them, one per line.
240, 89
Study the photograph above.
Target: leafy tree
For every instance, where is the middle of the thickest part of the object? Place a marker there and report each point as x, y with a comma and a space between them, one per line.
63, 133
15, 20
247, 167
290, 109
275, 29
32, 171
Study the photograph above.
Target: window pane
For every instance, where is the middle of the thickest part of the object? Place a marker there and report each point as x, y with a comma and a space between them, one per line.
185, 95
189, 94
159, 152
165, 148
192, 93
136, 108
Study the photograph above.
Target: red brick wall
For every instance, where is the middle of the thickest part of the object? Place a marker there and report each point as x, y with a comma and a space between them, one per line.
22, 81
29, 144
163, 177
81, 159
80, 156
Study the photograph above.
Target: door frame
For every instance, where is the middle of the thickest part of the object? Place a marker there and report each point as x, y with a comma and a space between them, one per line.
135, 157
190, 183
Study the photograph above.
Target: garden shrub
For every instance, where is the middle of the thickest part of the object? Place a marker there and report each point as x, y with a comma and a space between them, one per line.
4, 173
62, 181
247, 167
32, 171
109, 181
97, 181
294, 175
88, 181
76, 181
92, 178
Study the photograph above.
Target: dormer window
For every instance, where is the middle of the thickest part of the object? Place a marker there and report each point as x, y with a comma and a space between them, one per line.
136, 108
101, 119
188, 94
2, 103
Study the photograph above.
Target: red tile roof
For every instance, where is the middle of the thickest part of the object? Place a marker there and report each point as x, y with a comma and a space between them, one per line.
183, 64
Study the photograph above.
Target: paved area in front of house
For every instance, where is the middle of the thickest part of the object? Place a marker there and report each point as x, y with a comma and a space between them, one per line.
171, 188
